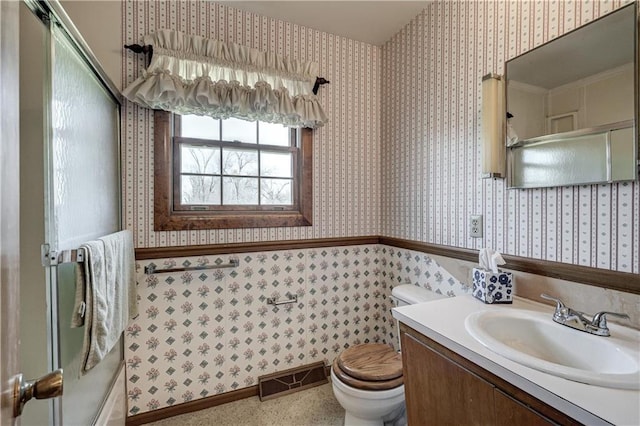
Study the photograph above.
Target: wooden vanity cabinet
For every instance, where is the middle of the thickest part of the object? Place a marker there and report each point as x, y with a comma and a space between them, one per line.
443, 388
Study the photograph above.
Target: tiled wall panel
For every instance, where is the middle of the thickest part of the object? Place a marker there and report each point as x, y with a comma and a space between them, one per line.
402, 266
346, 193
211, 331
208, 332
431, 75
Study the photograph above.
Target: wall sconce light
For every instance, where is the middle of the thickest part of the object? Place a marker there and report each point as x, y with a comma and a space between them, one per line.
493, 127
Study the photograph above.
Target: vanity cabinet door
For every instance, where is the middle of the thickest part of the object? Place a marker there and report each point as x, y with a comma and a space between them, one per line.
510, 412
443, 388
441, 392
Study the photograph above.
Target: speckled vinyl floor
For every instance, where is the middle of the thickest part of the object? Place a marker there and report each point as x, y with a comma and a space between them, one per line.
311, 407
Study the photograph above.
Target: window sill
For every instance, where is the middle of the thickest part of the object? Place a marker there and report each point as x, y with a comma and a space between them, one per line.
187, 221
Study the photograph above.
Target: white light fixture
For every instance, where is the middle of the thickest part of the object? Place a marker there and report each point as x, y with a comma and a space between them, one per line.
493, 127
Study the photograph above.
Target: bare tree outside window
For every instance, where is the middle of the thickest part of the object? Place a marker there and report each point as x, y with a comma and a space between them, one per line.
240, 190
212, 174
277, 167
275, 191
200, 187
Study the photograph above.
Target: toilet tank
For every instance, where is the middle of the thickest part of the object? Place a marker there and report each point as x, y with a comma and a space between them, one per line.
409, 294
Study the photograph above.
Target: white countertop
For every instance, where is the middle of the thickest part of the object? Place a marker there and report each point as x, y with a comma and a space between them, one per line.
443, 321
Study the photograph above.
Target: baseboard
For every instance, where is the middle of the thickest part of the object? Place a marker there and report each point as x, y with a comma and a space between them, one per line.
200, 404
188, 407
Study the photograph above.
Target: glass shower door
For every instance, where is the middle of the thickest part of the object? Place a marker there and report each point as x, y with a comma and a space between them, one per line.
82, 204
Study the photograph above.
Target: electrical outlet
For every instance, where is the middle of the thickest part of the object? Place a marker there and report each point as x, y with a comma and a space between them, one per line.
475, 226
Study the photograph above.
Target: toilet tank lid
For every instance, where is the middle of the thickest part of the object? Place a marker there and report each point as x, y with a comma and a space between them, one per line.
411, 294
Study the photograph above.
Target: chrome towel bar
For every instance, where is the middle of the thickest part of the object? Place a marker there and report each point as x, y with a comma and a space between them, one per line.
274, 302
51, 258
150, 270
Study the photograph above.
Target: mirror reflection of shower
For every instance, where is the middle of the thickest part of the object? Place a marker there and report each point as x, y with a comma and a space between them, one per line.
573, 89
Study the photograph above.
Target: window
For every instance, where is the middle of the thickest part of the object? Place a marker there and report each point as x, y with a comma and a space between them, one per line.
229, 164
212, 174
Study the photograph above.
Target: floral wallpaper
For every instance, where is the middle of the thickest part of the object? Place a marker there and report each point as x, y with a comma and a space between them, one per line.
206, 332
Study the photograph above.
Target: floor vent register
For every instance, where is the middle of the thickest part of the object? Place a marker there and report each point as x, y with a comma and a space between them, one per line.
285, 382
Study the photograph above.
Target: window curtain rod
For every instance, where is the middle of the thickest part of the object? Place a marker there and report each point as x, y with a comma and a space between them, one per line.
148, 49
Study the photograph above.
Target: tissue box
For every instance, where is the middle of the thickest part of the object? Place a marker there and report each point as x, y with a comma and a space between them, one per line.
492, 287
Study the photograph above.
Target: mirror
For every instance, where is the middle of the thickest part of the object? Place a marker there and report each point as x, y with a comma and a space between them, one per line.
572, 107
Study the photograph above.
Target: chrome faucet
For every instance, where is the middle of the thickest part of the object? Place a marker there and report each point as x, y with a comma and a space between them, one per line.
579, 320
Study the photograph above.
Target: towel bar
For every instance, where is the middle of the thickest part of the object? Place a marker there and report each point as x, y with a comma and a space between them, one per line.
150, 270
274, 302
50, 258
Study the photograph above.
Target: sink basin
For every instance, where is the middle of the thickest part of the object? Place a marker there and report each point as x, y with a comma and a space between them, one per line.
532, 339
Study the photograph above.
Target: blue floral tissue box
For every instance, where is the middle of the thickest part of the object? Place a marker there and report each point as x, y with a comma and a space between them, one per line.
492, 287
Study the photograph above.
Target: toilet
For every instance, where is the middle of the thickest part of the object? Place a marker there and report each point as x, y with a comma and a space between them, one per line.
367, 379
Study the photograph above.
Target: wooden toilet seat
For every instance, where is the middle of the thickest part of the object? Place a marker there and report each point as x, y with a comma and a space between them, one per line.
369, 366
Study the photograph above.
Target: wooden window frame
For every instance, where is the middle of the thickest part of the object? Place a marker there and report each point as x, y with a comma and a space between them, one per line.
167, 218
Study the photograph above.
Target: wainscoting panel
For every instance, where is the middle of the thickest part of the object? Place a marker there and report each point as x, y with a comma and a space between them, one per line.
208, 332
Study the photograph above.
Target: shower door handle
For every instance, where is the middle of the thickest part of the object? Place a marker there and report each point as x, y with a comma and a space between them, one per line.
47, 386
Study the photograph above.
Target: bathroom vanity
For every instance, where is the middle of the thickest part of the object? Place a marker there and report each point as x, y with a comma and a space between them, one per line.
451, 378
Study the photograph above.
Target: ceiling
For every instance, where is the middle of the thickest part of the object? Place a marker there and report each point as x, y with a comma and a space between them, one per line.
372, 22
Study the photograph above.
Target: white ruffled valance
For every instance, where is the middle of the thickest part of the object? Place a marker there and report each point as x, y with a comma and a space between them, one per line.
195, 75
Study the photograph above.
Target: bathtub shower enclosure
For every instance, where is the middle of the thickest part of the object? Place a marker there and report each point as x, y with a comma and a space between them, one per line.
70, 193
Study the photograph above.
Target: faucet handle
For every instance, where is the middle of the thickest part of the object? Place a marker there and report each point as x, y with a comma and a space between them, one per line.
559, 303
600, 319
